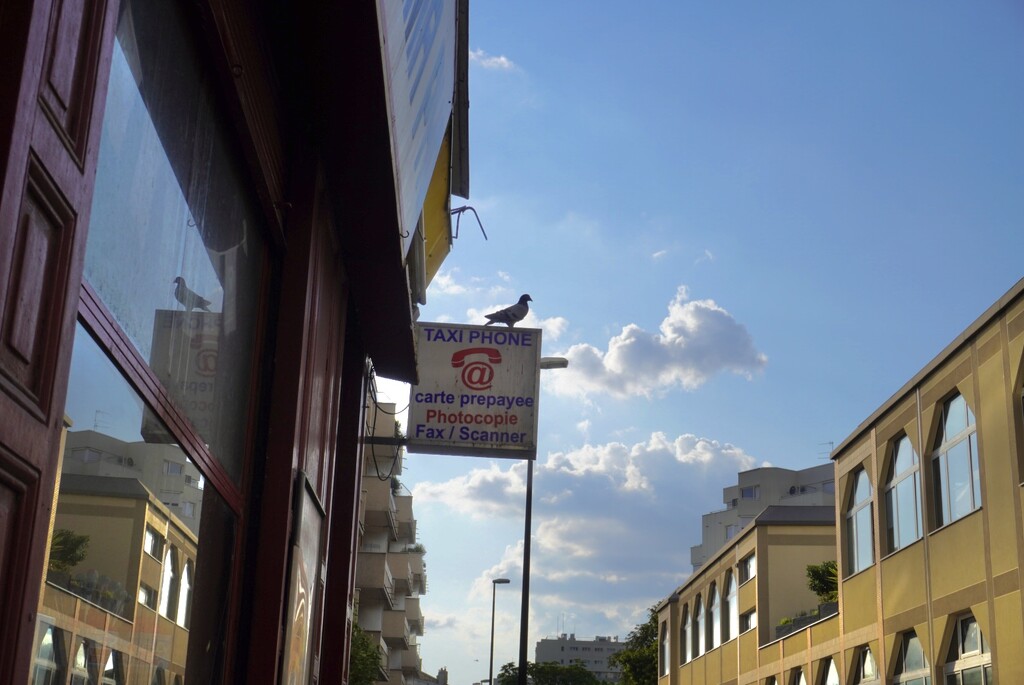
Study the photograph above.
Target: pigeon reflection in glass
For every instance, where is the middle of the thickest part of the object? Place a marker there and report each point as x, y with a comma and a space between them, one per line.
510, 316
189, 299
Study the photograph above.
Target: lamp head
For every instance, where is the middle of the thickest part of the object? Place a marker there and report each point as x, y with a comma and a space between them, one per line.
501, 581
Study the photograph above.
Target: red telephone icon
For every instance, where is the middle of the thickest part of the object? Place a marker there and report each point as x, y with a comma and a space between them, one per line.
478, 373
459, 358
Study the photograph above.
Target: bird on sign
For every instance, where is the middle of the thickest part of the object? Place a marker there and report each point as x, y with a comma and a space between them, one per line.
510, 316
189, 299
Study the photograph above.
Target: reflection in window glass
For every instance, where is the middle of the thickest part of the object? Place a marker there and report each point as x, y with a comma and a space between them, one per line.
859, 526
831, 674
51, 661
106, 513
956, 462
902, 501
174, 247
969, 661
911, 666
714, 619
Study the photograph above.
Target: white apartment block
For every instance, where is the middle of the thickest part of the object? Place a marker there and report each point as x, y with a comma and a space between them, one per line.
592, 654
755, 490
390, 572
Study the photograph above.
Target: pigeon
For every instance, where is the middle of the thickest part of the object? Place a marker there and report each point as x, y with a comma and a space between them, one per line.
190, 300
510, 316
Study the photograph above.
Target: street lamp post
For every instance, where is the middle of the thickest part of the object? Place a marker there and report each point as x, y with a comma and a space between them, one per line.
494, 591
524, 621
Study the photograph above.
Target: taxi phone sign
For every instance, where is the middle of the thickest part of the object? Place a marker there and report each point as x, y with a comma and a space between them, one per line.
477, 393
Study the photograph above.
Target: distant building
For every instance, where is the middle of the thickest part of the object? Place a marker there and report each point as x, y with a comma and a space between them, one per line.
755, 490
591, 654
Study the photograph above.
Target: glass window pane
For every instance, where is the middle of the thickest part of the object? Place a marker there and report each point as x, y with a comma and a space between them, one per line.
970, 637
972, 676
174, 247
867, 665
941, 497
960, 490
956, 417
864, 553
103, 509
904, 457
914, 654
861, 488
975, 469
908, 521
831, 675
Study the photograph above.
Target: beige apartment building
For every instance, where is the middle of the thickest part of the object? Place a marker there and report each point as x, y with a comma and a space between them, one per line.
928, 534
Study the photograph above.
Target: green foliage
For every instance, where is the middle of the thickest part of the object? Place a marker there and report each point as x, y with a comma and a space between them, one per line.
823, 580
786, 621
67, 550
639, 660
363, 659
548, 673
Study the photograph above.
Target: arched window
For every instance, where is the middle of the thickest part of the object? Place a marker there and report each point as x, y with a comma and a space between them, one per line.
169, 582
697, 627
956, 464
185, 596
968, 659
859, 535
714, 619
829, 674
865, 672
663, 649
731, 610
902, 496
684, 636
912, 667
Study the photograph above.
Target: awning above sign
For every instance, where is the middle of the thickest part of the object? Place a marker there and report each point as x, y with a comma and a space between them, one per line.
477, 393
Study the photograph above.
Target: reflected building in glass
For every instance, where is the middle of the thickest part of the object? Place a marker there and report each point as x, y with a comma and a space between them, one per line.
209, 247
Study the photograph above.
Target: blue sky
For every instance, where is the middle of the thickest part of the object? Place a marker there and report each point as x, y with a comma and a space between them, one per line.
747, 224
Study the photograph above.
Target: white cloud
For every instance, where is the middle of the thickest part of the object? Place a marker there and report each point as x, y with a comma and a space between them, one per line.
659, 254
706, 257
696, 340
481, 493
496, 62
444, 283
603, 548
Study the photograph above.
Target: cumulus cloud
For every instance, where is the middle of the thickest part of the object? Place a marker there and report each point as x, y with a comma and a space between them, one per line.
695, 341
481, 493
612, 526
496, 62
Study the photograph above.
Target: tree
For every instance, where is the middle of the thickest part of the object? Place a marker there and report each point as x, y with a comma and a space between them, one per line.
363, 659
823, 580
639, 659
547, 673
67, 550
